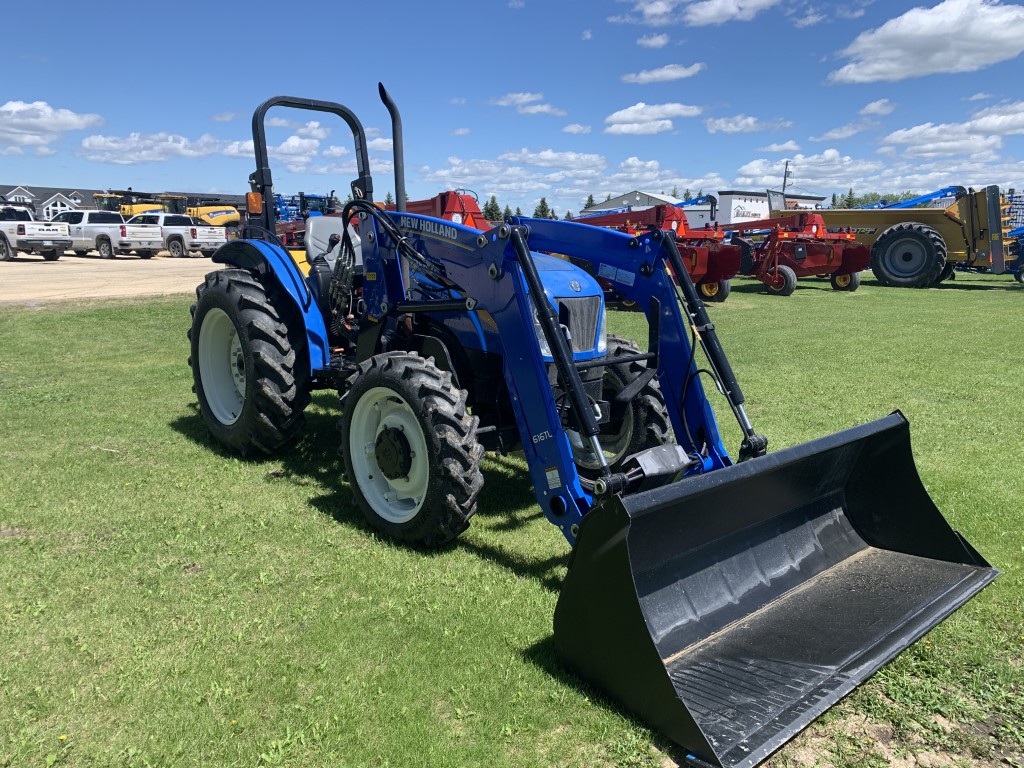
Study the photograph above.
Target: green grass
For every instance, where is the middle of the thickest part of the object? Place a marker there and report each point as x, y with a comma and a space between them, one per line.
163, 603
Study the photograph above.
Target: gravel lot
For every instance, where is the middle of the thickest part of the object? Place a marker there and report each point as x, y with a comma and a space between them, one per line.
31, 280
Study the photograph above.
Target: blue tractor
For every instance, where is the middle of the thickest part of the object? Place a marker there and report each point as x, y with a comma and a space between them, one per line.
727, 604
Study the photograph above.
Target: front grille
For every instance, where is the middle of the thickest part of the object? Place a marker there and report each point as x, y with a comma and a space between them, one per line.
581, 315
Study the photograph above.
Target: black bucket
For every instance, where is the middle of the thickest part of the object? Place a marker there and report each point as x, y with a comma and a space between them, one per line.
729, 610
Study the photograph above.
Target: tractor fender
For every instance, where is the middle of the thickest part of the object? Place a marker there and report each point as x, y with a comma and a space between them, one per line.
263, 258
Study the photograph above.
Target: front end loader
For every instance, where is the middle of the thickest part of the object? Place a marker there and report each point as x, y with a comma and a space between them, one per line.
726, 604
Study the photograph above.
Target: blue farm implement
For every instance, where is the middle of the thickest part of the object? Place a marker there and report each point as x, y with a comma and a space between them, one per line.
727, 604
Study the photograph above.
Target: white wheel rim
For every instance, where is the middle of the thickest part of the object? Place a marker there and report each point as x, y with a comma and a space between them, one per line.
396, 500
222, 366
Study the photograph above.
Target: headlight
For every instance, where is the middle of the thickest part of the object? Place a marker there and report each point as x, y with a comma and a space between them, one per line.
602, 331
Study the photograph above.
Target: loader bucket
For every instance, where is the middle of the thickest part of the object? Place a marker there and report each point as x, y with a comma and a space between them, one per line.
729, 610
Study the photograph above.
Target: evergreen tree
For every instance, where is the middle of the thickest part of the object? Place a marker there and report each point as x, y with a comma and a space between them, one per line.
835, 200
508, 212
850, 201
687, 195
554, 215
568, 215
609, 197
590, 202
542, 211
675, 192
519, 211
388, 199
491, 209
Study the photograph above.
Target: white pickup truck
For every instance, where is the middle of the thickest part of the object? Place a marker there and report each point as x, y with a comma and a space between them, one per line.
182, 234
106, 233
19, 231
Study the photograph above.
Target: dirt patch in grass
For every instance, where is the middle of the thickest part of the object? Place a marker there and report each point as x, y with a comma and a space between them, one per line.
12, 533
857, 741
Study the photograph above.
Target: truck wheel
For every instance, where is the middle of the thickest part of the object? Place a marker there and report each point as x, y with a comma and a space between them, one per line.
908, 255
783, 282
6, 252
144, 254
849, 282
176, 249
51, 255
644, 423
104, 249
716, 290
410, 450
248, 367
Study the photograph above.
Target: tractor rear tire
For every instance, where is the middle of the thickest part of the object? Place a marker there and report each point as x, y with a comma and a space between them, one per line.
410, 450
6, 252
783, 283
104, 249
645, 423
908, 255
716, 290
848, 282
248, 367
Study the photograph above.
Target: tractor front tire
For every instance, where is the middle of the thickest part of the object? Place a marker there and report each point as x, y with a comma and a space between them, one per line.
783, 282
644, 424
6, 252
716, 290
410, 450
248, 367
908, 255
848, 282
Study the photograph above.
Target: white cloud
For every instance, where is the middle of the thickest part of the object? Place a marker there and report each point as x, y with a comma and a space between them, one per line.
646, 119
277, 122
743, 124
587, 34
577, 128
639, 129
980, 96
244, 149
225, 117
548, 158
516, 4
44, 151
664, 74
313, 130
845, 131
334, 151
706, 12
147, 148
460, 132
880, 107
653, 41
380, 144
809, 20
953, 36
977, 138
458, 100
38, 124
525, 104
827, 170
787, 146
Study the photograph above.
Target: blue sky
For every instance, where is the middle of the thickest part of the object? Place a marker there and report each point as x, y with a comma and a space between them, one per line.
522, 98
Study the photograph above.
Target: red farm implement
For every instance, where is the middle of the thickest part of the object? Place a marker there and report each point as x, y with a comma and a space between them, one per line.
709, 260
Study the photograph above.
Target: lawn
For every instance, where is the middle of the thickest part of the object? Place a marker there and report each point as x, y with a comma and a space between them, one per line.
166, 604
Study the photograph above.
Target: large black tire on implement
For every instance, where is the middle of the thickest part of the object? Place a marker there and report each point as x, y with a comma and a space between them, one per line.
643, 423
410, 450
248, 366
908, 255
